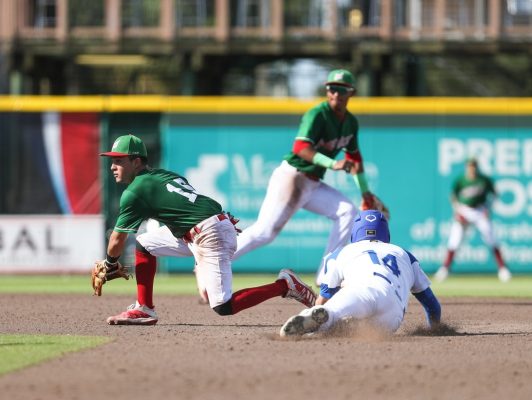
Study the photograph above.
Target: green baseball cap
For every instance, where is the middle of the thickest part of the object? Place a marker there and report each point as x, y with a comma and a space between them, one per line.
341, 77
127, 145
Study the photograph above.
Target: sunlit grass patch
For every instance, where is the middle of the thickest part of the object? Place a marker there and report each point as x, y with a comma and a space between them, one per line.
20, 351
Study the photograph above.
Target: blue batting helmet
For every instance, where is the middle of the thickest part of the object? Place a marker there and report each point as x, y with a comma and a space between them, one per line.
370, 225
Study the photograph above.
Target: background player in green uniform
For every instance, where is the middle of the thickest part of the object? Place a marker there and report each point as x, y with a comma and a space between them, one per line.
471, 196
325, 131
193, 225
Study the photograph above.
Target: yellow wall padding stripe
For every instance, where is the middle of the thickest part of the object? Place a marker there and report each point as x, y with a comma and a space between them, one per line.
266, 105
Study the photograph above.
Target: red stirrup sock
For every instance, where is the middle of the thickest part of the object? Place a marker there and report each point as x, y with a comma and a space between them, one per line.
448, 259
145, 267
250, 297
498, 257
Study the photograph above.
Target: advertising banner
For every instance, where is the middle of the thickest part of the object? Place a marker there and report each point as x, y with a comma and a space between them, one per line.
413, 149
410, 167
50, 163
46, 243
417, 167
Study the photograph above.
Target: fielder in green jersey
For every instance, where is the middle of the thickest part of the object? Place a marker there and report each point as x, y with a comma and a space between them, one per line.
326, 130
321, 128
471, 196
193, 225
166, 197
473, 190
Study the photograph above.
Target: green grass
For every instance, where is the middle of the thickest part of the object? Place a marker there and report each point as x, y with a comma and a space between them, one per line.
19, 351
183, 284
176, 284
484, 286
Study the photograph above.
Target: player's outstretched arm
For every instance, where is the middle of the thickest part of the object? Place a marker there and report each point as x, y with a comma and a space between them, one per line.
326, 293
431, 305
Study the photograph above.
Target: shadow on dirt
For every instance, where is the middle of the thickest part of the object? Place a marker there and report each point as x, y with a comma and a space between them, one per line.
439, 330
222, 325
449, 330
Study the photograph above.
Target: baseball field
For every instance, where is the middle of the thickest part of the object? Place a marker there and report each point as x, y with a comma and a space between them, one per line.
55, 344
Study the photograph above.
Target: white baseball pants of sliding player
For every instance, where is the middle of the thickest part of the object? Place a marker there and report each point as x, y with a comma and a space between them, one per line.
288, 191
377, 303
212, 248
479, 217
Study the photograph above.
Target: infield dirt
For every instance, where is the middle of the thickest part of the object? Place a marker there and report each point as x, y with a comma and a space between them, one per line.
485, 352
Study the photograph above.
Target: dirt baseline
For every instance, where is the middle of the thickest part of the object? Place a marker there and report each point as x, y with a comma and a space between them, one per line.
192, 353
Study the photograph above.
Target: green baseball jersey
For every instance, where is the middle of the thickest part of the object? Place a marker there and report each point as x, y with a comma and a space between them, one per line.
473, 192
166, 197
328, 135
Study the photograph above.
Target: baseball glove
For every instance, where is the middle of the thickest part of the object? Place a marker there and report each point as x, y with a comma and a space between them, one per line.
370, 201
103, 272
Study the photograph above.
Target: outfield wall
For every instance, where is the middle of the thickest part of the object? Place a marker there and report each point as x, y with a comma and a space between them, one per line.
227, 148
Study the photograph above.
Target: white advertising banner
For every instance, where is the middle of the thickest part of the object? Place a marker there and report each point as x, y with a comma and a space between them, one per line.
46, 243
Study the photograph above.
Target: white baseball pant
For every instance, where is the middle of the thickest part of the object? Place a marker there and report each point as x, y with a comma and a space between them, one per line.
288, 191
378, 304
479, 217
212, 248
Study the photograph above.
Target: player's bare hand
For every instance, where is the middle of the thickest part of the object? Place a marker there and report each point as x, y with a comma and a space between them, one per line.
343, 165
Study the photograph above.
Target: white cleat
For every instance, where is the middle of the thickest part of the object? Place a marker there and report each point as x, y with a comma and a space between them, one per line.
504, 274
441, 274
307, 321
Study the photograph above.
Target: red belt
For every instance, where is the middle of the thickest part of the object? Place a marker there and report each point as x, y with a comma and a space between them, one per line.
195, 230
313, 177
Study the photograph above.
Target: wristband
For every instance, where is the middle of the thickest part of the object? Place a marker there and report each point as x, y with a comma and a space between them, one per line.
111, 260
322, 160
360, 181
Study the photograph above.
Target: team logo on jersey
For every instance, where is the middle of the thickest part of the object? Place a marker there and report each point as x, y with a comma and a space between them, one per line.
338, 143
370, 218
